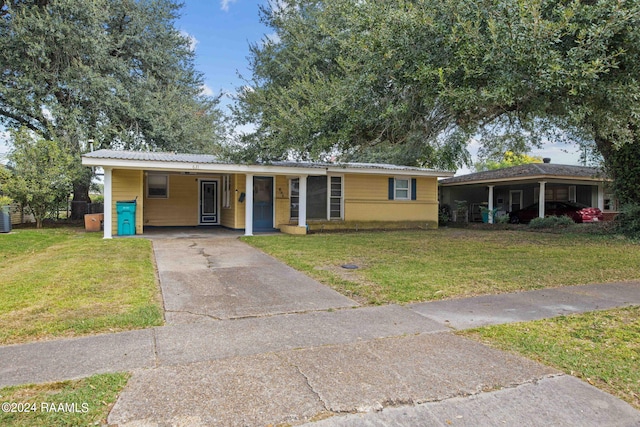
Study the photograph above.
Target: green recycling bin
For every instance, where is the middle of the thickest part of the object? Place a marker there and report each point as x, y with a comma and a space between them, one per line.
126, 211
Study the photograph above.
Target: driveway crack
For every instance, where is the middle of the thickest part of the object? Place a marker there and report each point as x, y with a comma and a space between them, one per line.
156, 359
324, 404
193, 314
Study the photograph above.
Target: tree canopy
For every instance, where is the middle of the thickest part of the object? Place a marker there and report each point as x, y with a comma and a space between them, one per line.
351, 76
40, 177
114, 71
508, 160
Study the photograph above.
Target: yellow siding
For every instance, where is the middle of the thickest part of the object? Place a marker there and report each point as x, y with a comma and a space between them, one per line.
427, 189
180, 208
233, 217
127, 185
365, 187
238, 187
228, 215
283, 207
366, 199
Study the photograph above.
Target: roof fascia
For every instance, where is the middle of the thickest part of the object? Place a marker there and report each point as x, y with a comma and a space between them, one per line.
153, 165
387, 172
549, 178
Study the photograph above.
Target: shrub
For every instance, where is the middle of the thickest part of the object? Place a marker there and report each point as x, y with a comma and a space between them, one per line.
628, 220
551, 222
502, 219
444, 214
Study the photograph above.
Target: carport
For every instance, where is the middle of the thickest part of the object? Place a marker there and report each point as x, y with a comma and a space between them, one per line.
509, 189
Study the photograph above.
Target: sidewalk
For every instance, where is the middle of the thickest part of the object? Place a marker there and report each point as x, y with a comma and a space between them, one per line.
382, 366
487, 310
310, 356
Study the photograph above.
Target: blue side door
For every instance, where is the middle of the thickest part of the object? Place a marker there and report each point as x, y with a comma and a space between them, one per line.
263, 203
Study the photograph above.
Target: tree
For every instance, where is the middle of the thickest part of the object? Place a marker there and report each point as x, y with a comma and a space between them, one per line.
508, 160
327, 84
40, 176
114, 71
348, 75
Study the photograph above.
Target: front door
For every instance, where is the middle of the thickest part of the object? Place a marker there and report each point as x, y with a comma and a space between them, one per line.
262, 203
209, 202
515, 200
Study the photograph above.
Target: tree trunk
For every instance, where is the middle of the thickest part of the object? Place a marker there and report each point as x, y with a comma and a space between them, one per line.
622, 165
80, 199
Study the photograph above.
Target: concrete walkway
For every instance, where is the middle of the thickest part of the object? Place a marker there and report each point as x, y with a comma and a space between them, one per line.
311, 356
224, 278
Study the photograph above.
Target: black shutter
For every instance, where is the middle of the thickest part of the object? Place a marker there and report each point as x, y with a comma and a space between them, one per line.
413, 189
391, 188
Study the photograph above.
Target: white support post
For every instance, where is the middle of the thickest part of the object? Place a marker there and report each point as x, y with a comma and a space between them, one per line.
601, 197
302, 202
541, 199
490, 204
248, 206
108, 203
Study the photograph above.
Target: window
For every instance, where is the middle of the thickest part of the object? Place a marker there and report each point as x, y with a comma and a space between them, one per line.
324, 197
317, 197
294, 197
335, 198
610, 202
402, 188
226, 191
158, 186
557, 193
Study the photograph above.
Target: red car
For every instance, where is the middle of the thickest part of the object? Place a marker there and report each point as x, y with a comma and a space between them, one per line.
576, 211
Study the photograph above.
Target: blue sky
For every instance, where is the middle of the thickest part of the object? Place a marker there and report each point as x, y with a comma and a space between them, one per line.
222, 31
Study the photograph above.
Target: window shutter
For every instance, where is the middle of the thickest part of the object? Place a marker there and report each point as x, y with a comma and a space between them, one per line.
391, 188
413, 188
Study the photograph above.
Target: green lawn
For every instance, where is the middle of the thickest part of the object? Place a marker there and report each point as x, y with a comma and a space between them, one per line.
406, 266
65, 282
602, 348
83, 402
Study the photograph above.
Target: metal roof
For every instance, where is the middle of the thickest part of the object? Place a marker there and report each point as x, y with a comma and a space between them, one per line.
384, 166
152, 156
528, 171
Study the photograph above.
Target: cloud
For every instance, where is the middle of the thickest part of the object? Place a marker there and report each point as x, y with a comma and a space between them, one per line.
193, 42
206, 90
224, 4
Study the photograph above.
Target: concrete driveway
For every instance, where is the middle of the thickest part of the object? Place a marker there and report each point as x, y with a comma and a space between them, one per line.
224, 278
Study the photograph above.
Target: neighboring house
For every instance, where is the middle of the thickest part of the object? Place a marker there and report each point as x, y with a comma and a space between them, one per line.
513, 188
199, 190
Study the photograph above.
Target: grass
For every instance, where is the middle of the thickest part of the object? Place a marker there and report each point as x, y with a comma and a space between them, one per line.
407, 266
602, 348
65, 282
69, 403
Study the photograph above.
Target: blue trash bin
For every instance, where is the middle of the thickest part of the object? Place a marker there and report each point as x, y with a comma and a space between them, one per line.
126, 211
